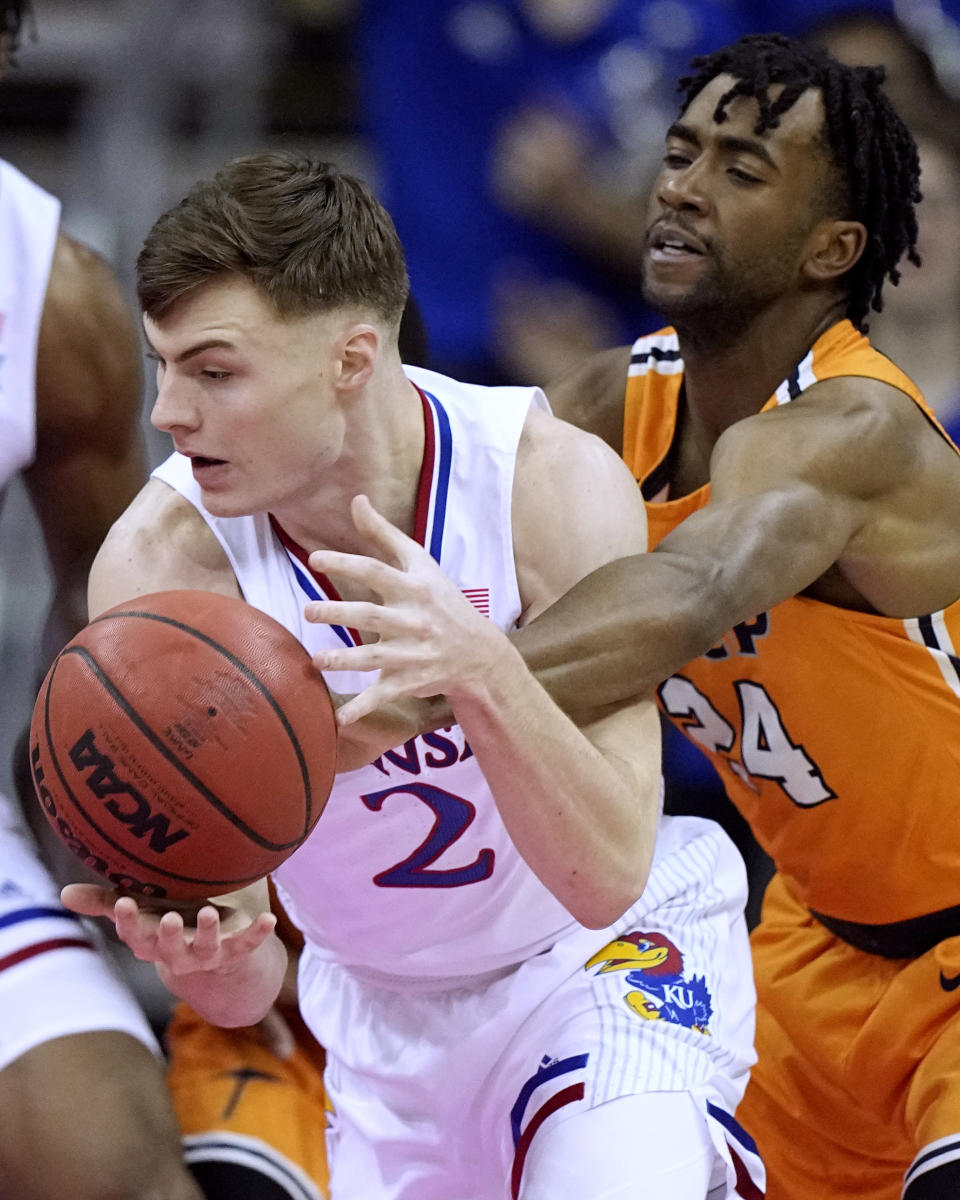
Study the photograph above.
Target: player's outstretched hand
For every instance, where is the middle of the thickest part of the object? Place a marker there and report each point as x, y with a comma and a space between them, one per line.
218, 938
430, 640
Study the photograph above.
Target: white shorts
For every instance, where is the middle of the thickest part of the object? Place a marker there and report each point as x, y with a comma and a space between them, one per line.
54, 980
438, 1092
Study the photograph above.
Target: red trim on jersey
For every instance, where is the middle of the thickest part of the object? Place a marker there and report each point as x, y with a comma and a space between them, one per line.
424, 485
19, 956
567, 1096
302, 557
426, 472
745, 1185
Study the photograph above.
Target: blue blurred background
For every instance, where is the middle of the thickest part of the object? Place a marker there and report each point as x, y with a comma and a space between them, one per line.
513, 141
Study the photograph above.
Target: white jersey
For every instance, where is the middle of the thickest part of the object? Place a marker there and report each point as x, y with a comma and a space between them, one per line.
29, 219
434, 953
53, 980
410, 871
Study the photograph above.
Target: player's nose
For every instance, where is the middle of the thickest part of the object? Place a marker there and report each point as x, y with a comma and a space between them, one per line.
173, 408
683, 190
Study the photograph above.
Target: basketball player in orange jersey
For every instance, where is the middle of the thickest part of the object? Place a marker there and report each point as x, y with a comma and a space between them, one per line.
85, 1110
800, 612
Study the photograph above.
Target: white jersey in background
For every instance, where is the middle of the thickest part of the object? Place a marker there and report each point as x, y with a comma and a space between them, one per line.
29, 221
53, 982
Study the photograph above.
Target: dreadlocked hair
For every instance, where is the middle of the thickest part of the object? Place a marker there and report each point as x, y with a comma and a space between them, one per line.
873, 153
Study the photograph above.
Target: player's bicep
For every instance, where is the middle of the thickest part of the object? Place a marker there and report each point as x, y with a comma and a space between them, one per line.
576, 507
781, 513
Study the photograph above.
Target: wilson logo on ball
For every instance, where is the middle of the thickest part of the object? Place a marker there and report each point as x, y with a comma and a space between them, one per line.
103, 781
76, 845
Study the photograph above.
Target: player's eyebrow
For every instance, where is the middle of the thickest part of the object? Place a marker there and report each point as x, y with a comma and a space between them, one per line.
197, 348
728, 141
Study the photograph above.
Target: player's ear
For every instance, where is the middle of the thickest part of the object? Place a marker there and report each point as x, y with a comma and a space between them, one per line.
834, 247
359, 349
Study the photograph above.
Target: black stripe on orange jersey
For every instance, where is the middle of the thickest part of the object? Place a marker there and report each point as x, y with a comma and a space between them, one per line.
930, 638
659, 477
238, 1166
899, 939
657, 353
935, 1172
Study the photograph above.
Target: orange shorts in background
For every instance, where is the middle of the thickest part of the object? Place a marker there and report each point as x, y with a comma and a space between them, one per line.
859, 1058
237, 1102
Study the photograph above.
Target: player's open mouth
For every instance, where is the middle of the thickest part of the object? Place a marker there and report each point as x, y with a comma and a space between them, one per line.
197, 460
669, 241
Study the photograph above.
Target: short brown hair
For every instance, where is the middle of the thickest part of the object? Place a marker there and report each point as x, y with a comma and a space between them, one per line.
308, 236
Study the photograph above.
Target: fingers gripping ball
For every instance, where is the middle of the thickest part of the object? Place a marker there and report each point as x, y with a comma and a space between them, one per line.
183, 745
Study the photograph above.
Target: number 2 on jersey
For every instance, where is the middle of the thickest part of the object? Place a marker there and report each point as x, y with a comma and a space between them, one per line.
452, 816
766, 749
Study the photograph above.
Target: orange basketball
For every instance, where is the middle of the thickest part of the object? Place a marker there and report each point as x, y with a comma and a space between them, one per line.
183, 745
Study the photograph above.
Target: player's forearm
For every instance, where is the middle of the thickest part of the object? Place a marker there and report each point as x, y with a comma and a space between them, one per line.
621, 631
584, 821
390, 726
234, 997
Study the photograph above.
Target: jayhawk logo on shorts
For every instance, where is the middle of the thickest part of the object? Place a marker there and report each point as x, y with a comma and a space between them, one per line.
655, 970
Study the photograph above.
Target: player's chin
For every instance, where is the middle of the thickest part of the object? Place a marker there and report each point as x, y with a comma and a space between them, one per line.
676, 286
671, 295
232, 503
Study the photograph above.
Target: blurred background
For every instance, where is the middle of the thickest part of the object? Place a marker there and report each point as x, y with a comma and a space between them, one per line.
513, 141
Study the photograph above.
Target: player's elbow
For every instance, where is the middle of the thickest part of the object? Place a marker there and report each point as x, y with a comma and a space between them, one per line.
607, 905
612, 890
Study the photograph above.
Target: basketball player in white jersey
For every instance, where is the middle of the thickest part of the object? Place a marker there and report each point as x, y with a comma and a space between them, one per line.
84, 1111
528, 983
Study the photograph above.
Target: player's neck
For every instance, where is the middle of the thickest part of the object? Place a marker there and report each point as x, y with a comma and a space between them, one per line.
381, 458
726, 381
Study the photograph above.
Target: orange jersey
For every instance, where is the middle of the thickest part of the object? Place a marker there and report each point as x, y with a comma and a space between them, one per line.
836, 733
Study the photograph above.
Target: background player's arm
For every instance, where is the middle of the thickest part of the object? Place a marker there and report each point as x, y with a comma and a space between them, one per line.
227, 964
89, 456
793, 491
581, 805
88, 461
591, 395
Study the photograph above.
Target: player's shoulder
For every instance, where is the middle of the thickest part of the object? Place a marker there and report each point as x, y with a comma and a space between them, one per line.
88, 359
157, 518
84, 298
559, 452
853, 433
568, 479
590, 395
846, 408
77, 273
160, 541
